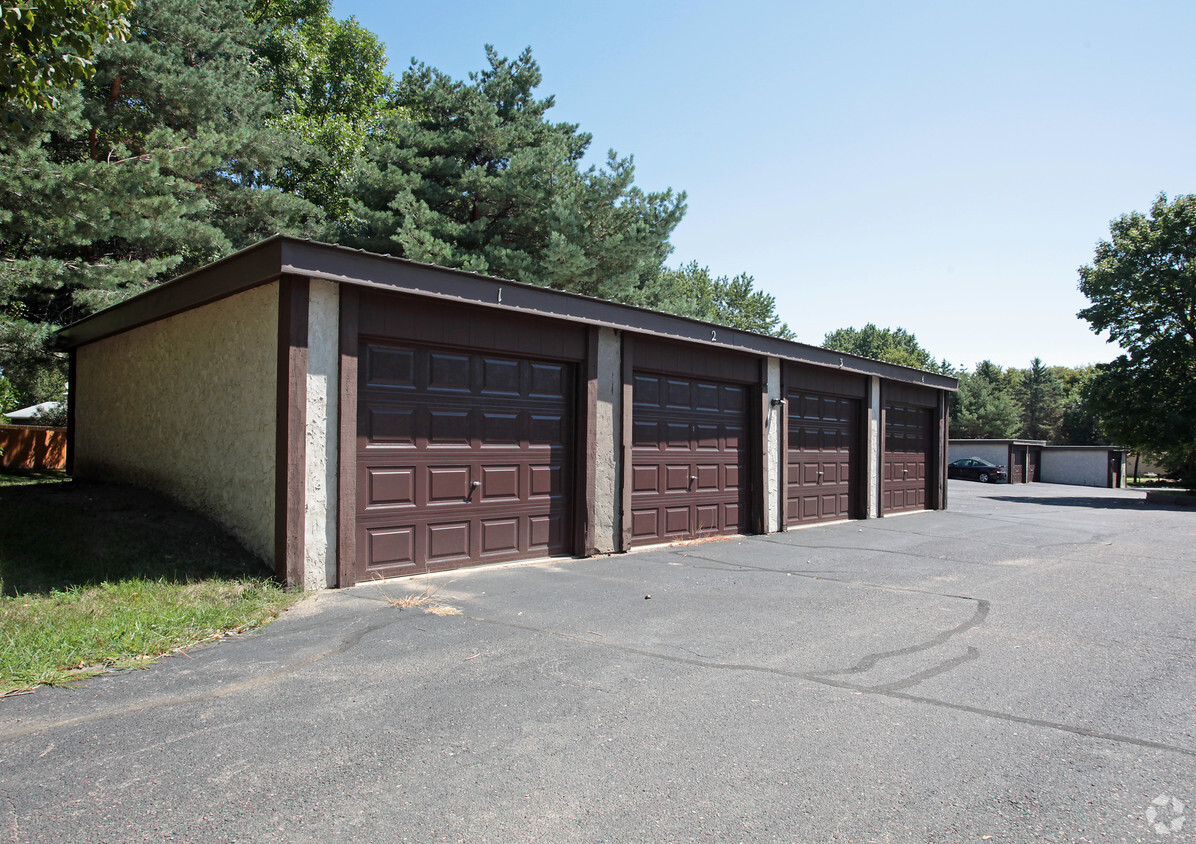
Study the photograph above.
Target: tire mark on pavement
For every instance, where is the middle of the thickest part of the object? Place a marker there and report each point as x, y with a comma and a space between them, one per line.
880, 691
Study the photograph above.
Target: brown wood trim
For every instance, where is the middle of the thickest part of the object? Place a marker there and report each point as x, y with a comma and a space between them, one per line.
940, 455
831, 382
240, 271
628, 351
71, 392
291, 446
346, 496
587, 438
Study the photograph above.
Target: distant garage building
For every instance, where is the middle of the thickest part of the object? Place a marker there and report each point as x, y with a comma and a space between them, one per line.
1027, 461
352, 416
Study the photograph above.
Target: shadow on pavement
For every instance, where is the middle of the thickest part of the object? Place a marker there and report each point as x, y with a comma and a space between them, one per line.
1091, 502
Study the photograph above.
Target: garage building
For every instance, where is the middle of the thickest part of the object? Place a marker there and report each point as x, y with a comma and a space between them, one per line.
352, 416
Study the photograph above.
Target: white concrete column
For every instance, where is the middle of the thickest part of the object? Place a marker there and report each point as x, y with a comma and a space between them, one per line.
608, 431
323, 393
875, 446
772, 436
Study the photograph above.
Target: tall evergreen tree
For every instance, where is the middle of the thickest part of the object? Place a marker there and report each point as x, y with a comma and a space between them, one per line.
161, 163
473, 175
985, 407
1040, 394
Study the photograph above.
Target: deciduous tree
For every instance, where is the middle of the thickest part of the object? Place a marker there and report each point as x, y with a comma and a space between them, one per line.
893, 345
1142, 286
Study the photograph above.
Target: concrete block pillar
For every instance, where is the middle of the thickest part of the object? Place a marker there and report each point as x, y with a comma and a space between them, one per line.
774, 442
320, 435
608, 429
875, 446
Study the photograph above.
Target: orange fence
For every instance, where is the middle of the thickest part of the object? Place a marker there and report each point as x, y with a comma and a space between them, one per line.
32, 447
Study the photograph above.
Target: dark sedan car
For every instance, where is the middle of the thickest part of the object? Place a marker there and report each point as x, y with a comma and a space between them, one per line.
975, 469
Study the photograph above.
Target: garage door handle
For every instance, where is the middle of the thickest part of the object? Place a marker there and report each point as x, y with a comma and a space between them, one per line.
693, 479
472, 487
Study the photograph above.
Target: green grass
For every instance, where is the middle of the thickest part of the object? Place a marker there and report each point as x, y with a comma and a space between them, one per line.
98, 576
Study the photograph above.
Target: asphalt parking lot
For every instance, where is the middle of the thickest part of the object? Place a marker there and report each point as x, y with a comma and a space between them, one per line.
1020, 667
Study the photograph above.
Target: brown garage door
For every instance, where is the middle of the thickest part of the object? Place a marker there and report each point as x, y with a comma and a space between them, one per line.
823, 455
463, 458
689, 458
907, 458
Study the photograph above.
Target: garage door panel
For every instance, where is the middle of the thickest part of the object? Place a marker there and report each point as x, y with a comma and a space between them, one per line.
676, 478
687, 452
448, 427
500, 429
645, 524
823, 457
392, 547
391, 487
501, 377
389, 368
907, 455
646, 435
678, 393
547, 430
448, 540
645, 479
676, 520
448, 373
549, 380
677, 436
500, 535
502, 423
391, 426
499, 482
545, 532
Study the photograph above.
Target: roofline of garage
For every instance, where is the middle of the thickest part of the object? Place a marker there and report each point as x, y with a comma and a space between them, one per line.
283, 255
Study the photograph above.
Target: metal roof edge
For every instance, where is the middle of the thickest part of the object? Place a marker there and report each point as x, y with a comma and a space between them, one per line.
283, 254
232, 274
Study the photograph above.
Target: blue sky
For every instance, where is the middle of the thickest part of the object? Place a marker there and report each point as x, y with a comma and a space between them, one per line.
944, 167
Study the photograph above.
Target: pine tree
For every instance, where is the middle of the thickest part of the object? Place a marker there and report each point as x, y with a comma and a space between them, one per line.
985, 407
1041, 395
473, 175
161, 163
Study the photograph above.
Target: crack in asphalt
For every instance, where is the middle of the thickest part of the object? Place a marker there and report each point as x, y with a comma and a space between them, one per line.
881, 691
340, 647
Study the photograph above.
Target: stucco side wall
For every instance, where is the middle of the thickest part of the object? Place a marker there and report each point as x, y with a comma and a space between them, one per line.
186, 406
992, 452
1082, 468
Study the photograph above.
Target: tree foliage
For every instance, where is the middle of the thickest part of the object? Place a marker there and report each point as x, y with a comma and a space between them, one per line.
986, 406
162, 162
473, 175
691, 291
50, 45
329, 81
1040, 393
1142, 286
892, 345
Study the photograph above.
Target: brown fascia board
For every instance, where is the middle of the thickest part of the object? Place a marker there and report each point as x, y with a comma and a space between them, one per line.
242, 270
281, 255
